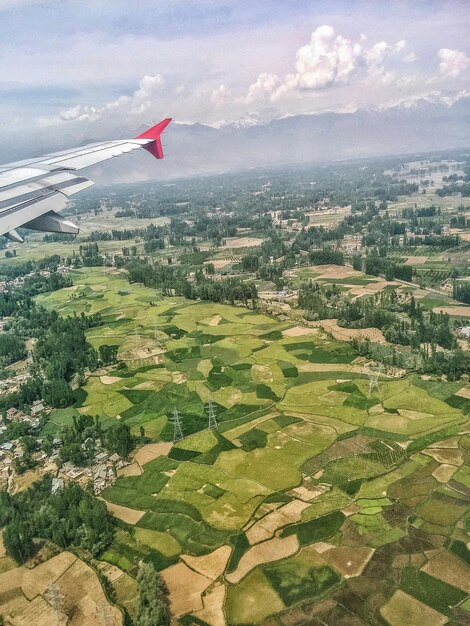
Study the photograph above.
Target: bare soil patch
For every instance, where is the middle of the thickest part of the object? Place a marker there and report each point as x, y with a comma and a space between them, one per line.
151, 450
447, 456
299, 331
24, 590
267, 526
219, 264
133, 469
456, 311
215, 321
211, 565
262, 373
404, 609
346, 334
242, 242
338, 271
348, 561
185, 587
464, 392
271, 550
444, 473
179, 377
109, 380
124, 513
213, 601
416, 260
447, 567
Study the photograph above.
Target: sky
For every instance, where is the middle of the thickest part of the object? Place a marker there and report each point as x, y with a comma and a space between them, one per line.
80, 69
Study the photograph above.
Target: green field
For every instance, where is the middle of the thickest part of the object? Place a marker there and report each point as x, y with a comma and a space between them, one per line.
311, 486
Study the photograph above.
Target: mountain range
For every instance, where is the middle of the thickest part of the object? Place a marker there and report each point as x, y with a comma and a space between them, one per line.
197, 149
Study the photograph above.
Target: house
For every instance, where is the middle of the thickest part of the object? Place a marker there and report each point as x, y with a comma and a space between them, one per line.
13, 414
101, 457
8, 446
57, 485
37, 408
114, 458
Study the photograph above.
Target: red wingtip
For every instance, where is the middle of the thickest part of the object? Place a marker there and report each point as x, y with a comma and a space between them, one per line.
154, 133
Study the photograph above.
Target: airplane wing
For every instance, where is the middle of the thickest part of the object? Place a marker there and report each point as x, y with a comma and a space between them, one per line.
33, 192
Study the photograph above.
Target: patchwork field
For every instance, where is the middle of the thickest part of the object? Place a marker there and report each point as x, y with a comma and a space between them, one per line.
61, 590
314, 501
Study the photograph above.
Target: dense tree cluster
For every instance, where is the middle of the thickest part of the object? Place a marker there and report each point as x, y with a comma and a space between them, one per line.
71, 517
174, 281
153, 606
461, 291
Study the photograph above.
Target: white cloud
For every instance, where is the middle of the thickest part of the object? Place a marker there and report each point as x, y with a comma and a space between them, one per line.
220, 95
452, 62
328, 59
140, 101
410, 58
265, 84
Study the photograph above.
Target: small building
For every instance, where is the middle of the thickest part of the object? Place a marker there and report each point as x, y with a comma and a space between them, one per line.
57, 485
37, 408
13, 414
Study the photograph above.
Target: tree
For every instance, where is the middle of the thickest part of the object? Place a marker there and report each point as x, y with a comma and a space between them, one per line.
357, 262
108, 354
153, 604
18, 541
119, 439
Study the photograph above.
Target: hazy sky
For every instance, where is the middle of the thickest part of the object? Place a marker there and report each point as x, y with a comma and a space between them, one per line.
86, 67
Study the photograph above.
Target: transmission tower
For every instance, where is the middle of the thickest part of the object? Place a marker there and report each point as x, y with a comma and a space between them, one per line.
374, 373
211, 415
177, 430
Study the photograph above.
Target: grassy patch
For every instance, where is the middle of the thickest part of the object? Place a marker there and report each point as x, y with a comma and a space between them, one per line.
316, 529
433, 592
294, 584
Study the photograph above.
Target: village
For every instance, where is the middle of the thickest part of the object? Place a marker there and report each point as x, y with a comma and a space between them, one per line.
14, 475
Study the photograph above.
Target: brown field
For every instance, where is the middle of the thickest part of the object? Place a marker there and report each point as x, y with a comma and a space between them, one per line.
150, 451
242, 242
185, 587
454, 311
211, 565
337, 271
403, 610
348, 561
448, 456
218, 264
416, 260
447, 567
109, 380
267, 526
133, 469
25, 592
464, 392
213, 601
346, 334
271, 550
130, 516
299, 331
444, 473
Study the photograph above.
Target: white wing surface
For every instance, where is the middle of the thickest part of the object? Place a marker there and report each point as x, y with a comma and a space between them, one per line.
33, 192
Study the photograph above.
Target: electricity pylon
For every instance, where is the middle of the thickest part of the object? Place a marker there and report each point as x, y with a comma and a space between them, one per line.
177, 430
211, 415
374, 378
